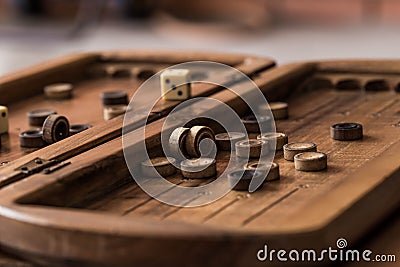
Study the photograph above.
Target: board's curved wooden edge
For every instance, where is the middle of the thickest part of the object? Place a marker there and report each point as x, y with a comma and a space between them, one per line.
13, 86
177, 56
373, 66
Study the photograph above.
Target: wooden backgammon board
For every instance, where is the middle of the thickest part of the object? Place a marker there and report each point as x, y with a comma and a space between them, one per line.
88, 211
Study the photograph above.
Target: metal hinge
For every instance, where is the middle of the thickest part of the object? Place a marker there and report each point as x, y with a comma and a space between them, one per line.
35, 166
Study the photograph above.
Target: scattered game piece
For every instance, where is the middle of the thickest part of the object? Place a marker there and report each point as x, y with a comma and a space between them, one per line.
253, 123
77, 128
55, 128
31, 139
111, 112
177, 141
143, 74
195, 136
198, 168
281, 139
37, 117
120, 72
163, 166
112, 98
292, 149
273, 169
227, 141
279, 110
174, 84
252, 148
310, 161
240, 179
347, 131
58, 91
3, 119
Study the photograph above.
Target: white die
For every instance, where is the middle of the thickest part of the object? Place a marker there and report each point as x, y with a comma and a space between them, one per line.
3, 119
177, 80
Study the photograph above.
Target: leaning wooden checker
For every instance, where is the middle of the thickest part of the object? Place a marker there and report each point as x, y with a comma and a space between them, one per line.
194, 138
55, 128
177, 142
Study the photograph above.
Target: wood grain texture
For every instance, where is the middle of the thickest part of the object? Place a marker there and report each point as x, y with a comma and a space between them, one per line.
109, 215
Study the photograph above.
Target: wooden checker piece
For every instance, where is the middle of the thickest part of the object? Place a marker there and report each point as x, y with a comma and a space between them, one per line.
279, 110
271, 170
177, 141
280, 139
252, 148
55, 128
198, 168
253, 123
77, 128
227, 141
159, 166
110, 112
240, 179
193, 139
310, 161
31, 139
347, 131
292, 149
37, 117
59, 91
112, 98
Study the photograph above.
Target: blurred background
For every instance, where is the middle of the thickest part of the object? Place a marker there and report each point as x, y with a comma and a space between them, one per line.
32, 31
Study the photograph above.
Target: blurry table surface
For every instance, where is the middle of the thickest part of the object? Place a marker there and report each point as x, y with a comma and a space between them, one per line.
283, 43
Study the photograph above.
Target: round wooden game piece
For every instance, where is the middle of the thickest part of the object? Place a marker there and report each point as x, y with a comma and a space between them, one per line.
163, 166
227, 141
252, 148
279, 110
120, 72
240, 179
37, 117
143, 73
281, 139
55, 128
111, 112
31, 139
292, 149
198, 168
58, 91
253, 123
112, 98
193, 139
77, 128
347, 131
177, 142
271, 168
310, 161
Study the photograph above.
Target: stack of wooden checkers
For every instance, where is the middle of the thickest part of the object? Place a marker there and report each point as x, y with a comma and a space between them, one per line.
115, 103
